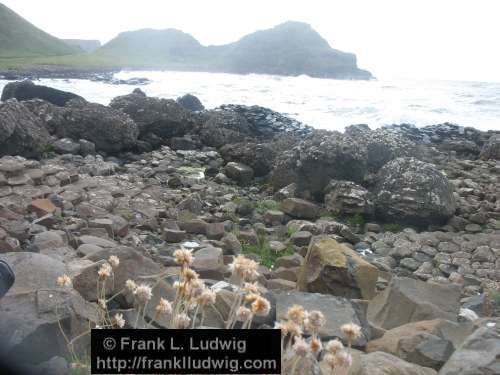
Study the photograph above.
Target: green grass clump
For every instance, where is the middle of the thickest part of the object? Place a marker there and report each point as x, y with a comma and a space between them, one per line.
395, 228
356, 220
262, 249
267, 205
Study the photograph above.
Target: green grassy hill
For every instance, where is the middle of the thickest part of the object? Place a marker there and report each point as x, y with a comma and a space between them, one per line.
21, 39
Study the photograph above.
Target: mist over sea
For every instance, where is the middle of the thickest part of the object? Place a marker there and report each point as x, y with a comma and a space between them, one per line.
321, 103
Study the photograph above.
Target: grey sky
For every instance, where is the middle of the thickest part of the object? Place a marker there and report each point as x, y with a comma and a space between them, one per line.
448, 39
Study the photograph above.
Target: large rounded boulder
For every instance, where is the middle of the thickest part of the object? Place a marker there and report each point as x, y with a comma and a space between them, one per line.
26, 90
413, 192
319, 158
21, 133
164, 118
258, 156
491, 150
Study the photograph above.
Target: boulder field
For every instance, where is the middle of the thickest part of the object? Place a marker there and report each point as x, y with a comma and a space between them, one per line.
395, 229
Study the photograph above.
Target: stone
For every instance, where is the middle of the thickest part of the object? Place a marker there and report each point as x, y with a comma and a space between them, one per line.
98, 241
33, 271
238, 172
47, 240
379, 363
407, 300
258, 156
133, 266
31, 324
337, 311
174, 235
333, 268
231, 244
194, 226
66, 146
478, 355
190, 102
215, 231
26, 90
301, 238
281, 284
273, 217
348, 198
413, 192
426, 343
491, 149
209, 263
300, 208
289, 261
86, 147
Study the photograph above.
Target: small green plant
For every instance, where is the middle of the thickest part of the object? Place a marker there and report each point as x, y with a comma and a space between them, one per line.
291, 231
495, 297
329, 216
395, 228
267, 205
356, 220
267, 255
47, 151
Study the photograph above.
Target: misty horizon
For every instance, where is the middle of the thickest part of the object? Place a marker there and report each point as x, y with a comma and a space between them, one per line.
392, 39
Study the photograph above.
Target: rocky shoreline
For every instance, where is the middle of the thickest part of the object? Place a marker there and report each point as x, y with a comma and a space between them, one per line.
396, 229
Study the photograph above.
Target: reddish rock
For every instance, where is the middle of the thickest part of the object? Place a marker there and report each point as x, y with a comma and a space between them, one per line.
42, 207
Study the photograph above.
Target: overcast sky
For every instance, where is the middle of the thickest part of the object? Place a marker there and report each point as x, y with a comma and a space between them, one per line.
448, 39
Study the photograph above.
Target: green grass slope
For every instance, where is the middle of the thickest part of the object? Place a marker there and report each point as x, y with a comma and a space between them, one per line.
21, 39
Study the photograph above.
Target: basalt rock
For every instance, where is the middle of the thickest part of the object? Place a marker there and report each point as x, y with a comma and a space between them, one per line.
491, 149
26, 90
21, 133
190, 102
258, 156
347, 198
164, 118
413, 192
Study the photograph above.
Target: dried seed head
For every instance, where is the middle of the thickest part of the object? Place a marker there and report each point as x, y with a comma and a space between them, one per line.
251, 297
351, 331
183, 257
102, 303
130, 285
64, 281
114, 261
143, 293
330, 360
163, 307
189, 275
300, 347
261, 306
251, 288
182, 321
316, 345
243, 314
244, 268
104, 271
118, 320
343, 359
314, 320
334, 346
296, 314
207, 297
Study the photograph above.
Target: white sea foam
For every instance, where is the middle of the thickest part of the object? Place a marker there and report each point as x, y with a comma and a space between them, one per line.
322, 103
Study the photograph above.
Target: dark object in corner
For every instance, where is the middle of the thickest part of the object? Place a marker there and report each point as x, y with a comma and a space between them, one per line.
7, 278
26, 90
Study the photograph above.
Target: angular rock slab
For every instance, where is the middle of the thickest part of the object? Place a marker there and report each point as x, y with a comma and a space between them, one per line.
379, 363
333, 268
337, 311
479, 354
407, 300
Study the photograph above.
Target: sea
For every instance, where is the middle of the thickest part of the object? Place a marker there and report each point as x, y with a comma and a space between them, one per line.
321, 103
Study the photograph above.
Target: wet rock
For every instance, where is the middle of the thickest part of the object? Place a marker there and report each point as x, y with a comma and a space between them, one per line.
26, 90
407, 300
190, 102
333, 268
413, 192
